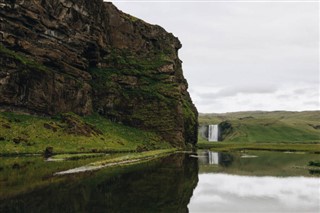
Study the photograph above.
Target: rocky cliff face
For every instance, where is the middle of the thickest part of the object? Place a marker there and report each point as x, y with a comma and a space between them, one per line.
86, 56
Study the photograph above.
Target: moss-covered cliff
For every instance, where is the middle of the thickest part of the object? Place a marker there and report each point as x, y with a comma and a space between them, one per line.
86, 56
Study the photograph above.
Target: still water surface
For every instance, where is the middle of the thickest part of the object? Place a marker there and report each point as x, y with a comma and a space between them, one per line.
255, 181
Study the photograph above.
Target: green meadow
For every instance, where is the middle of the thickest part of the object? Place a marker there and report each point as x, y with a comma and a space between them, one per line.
279, 130
69, 133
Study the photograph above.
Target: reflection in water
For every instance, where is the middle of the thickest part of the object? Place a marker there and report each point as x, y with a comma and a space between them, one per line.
215, 158
226, 159
234, 193
160, 186
258, 163
314, 172
227, 183
256, 181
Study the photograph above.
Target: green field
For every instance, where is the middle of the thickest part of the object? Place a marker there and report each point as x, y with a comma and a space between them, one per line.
280, 130
279, 126
69, 133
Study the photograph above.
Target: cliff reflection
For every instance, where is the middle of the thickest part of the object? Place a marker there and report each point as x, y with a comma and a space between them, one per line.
162, 186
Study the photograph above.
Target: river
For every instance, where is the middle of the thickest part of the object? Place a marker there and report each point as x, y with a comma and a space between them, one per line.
252, 181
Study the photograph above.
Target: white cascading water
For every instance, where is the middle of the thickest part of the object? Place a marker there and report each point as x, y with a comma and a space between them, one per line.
213, 133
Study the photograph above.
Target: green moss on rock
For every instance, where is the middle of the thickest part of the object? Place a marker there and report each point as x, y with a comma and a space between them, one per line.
136, 92
95, 60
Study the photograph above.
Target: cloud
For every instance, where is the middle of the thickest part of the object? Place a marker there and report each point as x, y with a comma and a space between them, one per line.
301, 91
315, 104
296, 97
240, 89
246, 55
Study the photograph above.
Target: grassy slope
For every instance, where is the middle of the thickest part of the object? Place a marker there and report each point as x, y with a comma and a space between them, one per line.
282, 131
268, 126
34, 137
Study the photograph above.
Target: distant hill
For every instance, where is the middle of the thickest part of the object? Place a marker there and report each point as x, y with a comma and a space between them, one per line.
261, 126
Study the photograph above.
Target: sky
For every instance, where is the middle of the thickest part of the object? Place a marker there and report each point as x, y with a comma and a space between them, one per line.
245, 55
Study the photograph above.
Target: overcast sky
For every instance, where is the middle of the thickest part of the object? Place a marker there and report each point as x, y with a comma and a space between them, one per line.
240, 56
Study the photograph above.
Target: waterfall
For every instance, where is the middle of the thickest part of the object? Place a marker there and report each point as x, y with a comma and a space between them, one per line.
213, 132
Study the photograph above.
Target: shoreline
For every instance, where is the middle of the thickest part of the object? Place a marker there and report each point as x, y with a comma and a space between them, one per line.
281, 147
130, 159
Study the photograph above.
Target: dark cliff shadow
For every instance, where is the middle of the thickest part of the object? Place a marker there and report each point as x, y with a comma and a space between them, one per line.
164, 185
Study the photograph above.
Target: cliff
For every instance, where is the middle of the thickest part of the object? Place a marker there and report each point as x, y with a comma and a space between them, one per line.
86, 56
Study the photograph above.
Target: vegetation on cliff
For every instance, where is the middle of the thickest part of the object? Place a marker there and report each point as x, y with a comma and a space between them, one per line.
90, 58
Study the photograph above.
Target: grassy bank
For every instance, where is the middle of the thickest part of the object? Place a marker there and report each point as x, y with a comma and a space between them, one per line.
135, 156
122, 160
23, 133
115, 157
231, 146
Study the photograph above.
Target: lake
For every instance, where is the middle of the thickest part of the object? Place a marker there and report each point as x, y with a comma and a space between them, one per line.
256, 181
251, 181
